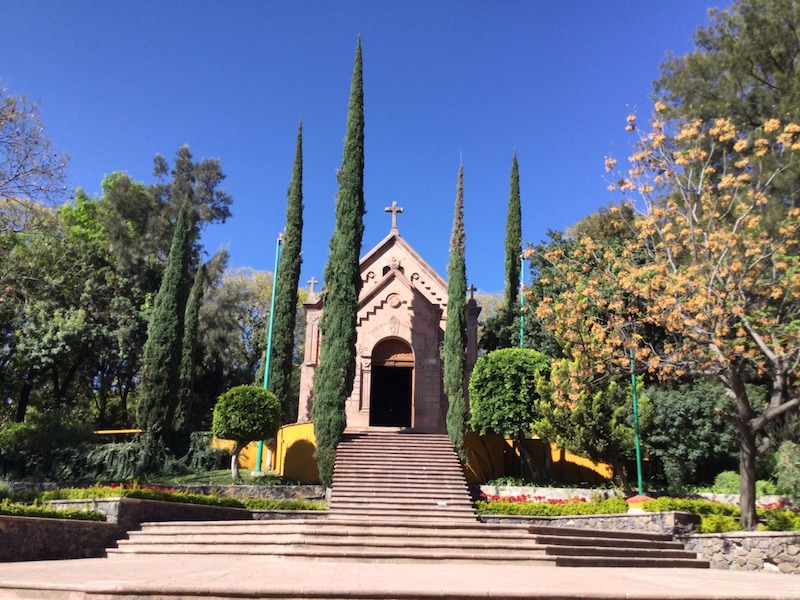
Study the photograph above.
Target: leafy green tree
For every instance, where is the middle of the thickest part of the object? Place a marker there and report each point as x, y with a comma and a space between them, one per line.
286, 280
787, 469
502, 393
232, 333
245, 414
333, 380
590, 418
197, 182
744, 66
162, 352
455, 333
684, 435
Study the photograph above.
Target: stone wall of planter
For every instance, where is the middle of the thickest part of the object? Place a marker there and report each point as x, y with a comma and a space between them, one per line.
670, 523
33, 538
129, 513
748, 551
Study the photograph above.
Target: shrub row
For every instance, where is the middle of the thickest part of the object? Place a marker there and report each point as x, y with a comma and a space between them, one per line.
36, 510
545, 509
166, 494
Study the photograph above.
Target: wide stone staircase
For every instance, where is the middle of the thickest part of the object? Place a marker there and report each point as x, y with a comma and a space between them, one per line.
402, 497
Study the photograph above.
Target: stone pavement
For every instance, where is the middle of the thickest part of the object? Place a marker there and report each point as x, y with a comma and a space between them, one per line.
225, 577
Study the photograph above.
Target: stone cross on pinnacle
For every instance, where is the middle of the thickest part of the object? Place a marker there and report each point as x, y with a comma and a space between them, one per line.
312, 282
394, 209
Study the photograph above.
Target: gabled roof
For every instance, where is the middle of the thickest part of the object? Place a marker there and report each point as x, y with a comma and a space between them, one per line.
419, 273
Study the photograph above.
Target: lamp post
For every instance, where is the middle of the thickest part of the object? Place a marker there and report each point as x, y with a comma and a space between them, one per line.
268, 353
636, 427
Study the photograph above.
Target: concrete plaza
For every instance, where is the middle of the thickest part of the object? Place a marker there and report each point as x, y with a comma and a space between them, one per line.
221, 577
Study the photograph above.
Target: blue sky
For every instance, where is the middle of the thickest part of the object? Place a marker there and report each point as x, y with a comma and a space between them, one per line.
444, 81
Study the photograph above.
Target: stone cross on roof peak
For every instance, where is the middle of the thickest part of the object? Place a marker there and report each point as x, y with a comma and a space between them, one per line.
312, 282
472, 289
394, 209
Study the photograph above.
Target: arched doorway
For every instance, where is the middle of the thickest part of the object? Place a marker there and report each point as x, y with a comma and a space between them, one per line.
391, 391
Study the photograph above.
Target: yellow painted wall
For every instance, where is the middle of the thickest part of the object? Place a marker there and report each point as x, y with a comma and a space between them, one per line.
493, 456
247, 457
294, 453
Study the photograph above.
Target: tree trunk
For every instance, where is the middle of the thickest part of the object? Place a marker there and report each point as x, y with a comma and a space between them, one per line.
24, 400
237, 447
621, 474
747, 475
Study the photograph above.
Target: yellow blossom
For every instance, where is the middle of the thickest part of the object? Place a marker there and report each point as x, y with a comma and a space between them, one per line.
772, 125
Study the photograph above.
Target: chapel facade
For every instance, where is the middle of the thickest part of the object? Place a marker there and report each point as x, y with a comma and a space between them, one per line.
402, 313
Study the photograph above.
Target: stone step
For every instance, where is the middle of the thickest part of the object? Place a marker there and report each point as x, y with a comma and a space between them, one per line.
398, 541
399, 555
355, 476
642, 563
609, 551
593, 533
306, 539
431, 496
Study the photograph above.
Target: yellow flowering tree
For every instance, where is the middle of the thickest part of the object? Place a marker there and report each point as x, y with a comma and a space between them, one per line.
710, 283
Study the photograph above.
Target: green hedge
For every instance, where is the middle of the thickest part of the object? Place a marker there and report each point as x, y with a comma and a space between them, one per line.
287, 504
164, 494
36, 510
544, 509
141, 492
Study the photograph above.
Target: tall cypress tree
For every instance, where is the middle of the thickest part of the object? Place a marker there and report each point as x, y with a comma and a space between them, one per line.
333, 380
162, 351
286, 280
455, 334
513, 244
188, 349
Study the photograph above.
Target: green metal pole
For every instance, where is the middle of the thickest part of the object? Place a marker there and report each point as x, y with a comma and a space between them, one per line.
268, 353
636, 427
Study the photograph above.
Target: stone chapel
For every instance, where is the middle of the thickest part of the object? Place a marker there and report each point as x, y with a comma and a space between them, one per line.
402, 312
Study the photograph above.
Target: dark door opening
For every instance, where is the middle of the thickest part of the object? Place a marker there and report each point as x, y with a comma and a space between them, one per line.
390, 397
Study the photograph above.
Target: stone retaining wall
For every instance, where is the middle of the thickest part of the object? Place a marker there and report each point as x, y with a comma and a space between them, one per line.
129, 513
670, 523
33, 538
748, 551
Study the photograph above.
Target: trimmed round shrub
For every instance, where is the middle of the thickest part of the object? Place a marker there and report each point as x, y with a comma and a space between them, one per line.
502, 391
245, 414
